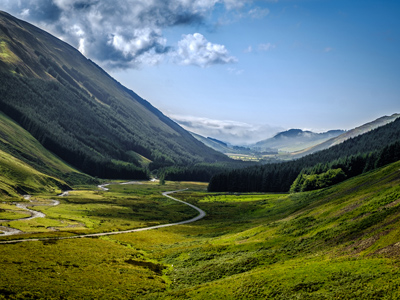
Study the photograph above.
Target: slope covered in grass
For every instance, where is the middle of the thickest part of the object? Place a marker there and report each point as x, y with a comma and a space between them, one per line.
17, 177
340, 242
20, 144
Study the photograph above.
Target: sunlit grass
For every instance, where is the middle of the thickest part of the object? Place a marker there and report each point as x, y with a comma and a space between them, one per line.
341, 242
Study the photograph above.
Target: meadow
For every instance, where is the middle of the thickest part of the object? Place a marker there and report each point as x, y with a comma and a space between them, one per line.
341, 242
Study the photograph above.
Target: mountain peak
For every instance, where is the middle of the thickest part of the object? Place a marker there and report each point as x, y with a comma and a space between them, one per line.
292, 133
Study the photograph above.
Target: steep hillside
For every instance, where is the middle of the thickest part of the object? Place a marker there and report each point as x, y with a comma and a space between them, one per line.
18, 178
346, 135
295, 139
214, 144
20, 144
80, 113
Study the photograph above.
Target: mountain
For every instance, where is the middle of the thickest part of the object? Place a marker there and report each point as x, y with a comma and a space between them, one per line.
295, 139
26, 166
80, 113
353, 157
19, 178
212, 143
346, 135
223, 147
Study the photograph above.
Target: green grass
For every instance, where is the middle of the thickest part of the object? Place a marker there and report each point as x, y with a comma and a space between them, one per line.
20, 144
341, 242
11, 212
6, 55
17, 177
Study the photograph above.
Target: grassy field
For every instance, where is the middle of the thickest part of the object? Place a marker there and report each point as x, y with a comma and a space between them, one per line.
341, 242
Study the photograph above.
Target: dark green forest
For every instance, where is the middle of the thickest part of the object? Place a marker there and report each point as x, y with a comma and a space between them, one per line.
200, 172
353, 157
89, 135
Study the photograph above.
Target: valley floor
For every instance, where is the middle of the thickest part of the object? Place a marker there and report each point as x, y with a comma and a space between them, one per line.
341, 242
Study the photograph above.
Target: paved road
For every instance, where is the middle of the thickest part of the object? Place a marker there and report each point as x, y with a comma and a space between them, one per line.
166, 194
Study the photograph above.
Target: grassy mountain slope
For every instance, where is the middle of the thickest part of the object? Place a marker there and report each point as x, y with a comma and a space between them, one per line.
27, 167
345, 136
218, 146
295, 139
79, 112
20, 144
18, 178
337, 243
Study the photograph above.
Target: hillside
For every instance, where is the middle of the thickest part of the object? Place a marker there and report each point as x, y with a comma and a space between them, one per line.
20, 144
354, 156
18, 178
294, 140
76, 110
340, 242
212, 143
345, 136
223, 147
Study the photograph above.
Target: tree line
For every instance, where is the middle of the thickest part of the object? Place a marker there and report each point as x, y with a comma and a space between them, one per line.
354, 156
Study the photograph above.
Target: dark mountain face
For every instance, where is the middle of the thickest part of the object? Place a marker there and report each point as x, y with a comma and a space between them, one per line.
75, 109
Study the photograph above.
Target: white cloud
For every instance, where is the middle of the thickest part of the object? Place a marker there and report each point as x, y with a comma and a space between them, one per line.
258, 13
194, 49
126, 33
266, 47
248, 49
233, 132
25, 13
235, 71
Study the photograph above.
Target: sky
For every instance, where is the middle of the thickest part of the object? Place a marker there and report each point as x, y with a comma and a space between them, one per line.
240, 71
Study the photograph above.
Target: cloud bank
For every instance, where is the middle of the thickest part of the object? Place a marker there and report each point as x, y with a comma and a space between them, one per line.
129, 33
235, 133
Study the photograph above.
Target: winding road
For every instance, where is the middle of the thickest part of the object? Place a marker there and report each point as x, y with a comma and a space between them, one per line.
165, 194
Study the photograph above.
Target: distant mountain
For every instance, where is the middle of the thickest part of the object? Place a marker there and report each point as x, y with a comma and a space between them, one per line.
294, 140
80, 113
227, 148
215, 144
355, 156
346, 135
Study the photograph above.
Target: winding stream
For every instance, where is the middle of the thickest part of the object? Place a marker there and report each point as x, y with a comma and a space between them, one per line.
13, 231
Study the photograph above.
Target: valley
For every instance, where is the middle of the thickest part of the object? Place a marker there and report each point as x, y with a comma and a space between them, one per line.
36, 214
103, 196
339, 242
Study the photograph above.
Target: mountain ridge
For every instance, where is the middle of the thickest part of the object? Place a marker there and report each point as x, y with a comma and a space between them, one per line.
294, 140
359, 130
78, 111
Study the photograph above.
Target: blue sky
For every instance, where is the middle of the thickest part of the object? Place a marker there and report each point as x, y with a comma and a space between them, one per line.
240, 70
